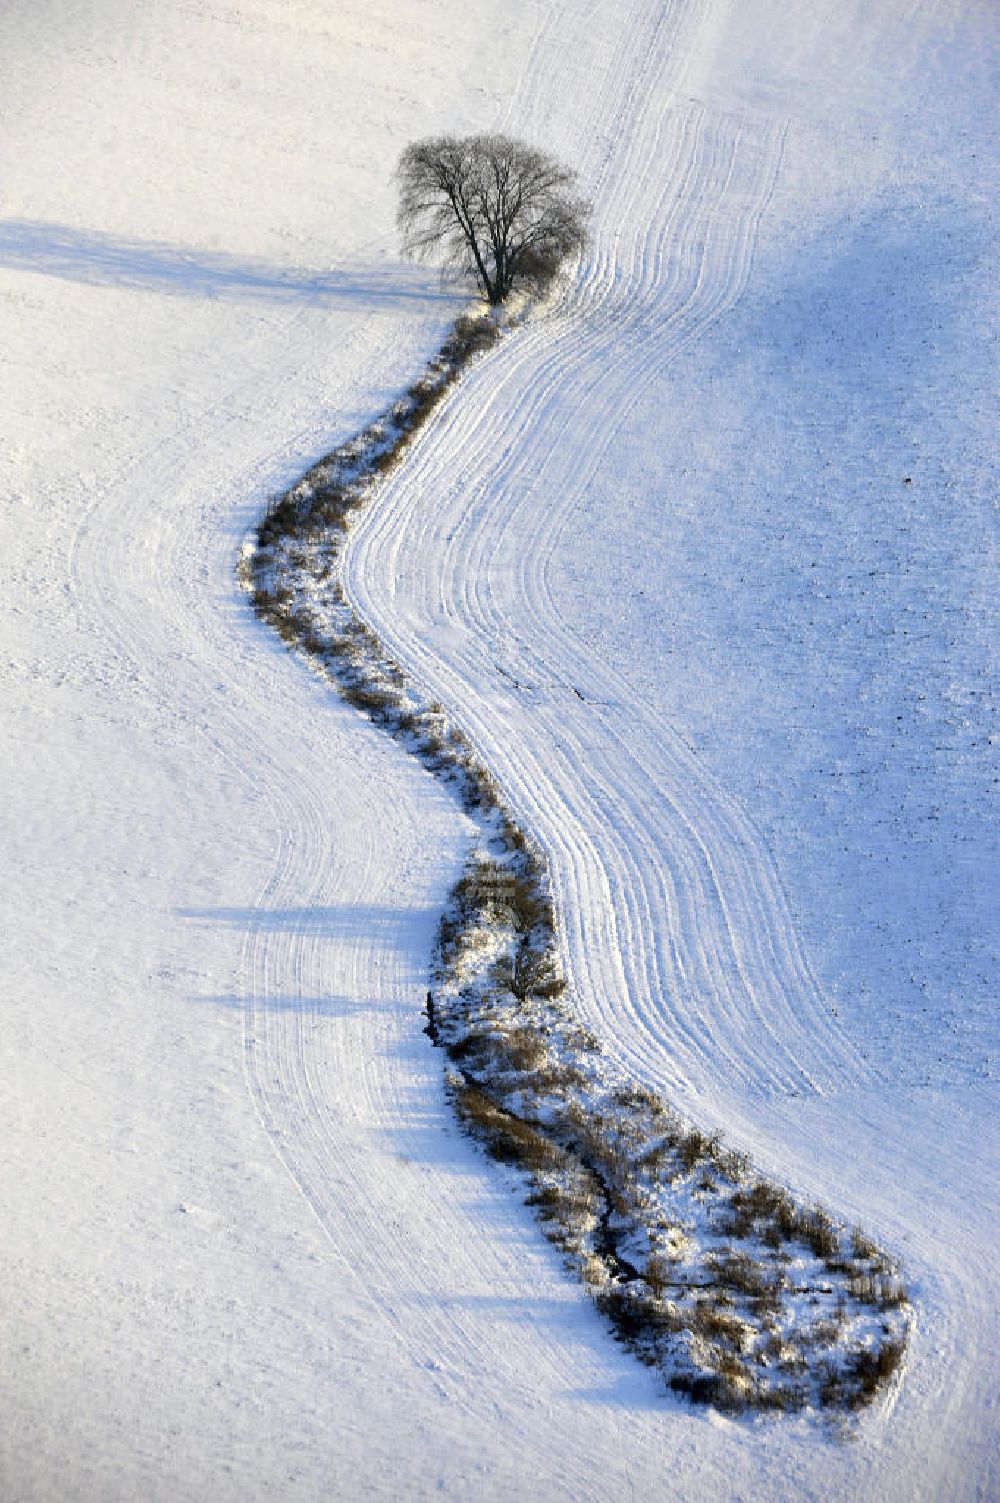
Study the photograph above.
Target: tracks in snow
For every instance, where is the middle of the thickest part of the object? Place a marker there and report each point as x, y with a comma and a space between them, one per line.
679, 936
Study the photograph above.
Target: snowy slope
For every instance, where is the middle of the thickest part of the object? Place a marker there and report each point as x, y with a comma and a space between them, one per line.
615, 586
244, 1248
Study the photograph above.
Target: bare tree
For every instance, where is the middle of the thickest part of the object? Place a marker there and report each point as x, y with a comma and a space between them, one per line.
498, 210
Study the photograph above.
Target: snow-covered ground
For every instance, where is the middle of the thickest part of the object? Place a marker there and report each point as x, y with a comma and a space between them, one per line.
705, 561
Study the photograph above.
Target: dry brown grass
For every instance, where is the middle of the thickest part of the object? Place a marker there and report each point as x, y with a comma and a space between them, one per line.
885, 1292
695, 1146
735, 1269
505, 1136
376, 701
522, 1050
867, 1371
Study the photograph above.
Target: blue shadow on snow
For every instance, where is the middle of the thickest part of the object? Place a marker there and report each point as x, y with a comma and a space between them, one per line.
102, 260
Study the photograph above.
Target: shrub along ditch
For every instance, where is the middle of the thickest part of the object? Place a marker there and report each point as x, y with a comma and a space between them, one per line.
740, 1295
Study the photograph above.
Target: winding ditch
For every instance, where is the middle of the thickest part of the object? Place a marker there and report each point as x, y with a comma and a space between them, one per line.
739, 1294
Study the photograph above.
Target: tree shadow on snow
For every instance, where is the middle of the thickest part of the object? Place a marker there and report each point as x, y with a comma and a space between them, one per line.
308, 1007
344, 921
102, 260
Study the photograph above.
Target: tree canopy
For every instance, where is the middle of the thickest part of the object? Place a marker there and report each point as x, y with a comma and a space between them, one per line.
504, 213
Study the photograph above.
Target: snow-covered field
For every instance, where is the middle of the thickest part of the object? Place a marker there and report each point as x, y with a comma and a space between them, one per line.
703, 558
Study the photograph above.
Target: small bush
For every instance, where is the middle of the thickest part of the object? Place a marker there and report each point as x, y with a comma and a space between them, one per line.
866, 1371
695, 1146
741, 1271
636, 1318
374, 701
522, 1050
816, 1228
536, 974
505, 1136
876, 1289
712, 1318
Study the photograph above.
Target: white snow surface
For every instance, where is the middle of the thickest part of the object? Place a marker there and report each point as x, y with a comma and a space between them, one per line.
703, 557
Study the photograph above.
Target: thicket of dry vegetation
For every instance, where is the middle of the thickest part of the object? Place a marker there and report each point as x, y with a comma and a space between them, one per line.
742, 1296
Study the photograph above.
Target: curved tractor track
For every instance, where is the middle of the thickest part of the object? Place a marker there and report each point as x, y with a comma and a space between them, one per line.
694, 970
